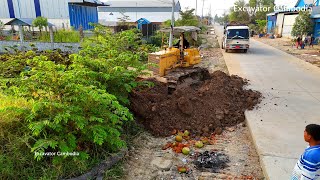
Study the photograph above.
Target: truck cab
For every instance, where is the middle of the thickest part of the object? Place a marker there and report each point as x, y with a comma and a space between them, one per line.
236, 37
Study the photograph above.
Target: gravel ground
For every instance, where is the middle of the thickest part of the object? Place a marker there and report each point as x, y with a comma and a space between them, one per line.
235, 142
212, 57
309, 54
147, 161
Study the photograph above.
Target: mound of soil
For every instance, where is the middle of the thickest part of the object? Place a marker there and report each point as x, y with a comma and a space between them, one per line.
210, 106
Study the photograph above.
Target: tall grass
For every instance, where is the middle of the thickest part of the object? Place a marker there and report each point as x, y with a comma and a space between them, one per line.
66, 36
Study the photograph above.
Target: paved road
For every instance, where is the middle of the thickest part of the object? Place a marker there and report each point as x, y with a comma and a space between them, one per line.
291, 89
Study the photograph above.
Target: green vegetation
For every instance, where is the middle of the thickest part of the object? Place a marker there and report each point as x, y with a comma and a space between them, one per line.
223, 19
239, 16
115, 173
58, 103
66, 36
40, 22
303, 24
261, 26
254, 14
187, 19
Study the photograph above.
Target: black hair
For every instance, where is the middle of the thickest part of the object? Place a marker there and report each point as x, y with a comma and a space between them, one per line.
314, 131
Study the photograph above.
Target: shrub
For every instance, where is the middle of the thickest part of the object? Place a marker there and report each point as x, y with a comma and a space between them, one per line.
67, 107
40, 22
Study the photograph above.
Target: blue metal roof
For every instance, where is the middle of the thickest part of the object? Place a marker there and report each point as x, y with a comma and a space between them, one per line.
143, 21
92, 2
24, 22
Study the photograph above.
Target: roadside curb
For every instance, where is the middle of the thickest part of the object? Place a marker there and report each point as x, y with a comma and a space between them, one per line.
231, 72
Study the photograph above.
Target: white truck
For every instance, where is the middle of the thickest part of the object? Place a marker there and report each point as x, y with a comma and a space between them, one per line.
236, 37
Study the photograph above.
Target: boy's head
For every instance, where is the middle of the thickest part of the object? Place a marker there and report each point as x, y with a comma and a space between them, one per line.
312, 133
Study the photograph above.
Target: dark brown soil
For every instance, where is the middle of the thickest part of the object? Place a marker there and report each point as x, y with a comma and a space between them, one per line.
214, 104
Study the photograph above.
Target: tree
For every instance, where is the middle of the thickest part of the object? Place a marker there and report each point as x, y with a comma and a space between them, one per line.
260, 8
241, 16
303, 24
187, 18
40, 22
123, 21
261, 25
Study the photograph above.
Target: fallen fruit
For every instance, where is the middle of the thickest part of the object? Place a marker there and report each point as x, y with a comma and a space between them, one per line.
186, 133
174, 132
205, 140
182, 169
199, 144
186, 137
179, 138
167, 146
185, 151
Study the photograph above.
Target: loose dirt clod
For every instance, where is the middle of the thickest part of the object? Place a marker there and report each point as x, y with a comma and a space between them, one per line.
218, 102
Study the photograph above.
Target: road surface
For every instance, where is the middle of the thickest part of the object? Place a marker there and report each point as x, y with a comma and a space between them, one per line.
291, 88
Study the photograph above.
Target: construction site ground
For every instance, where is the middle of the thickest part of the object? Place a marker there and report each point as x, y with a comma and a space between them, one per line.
152, 157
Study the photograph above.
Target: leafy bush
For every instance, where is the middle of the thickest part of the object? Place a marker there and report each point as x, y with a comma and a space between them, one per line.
302, 25
40, 22
76, 105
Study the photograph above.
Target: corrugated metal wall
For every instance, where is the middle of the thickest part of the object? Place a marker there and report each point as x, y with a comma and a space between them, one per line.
288, 25
51, 9
82, 15
54, 9
58, 12
17, 8
4, 10
280, 19
271, 23
316, 32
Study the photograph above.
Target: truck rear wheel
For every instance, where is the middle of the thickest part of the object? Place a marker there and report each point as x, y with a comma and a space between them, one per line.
245, 51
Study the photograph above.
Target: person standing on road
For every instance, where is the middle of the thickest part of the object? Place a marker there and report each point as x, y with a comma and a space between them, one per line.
312, 39
308, 166
299, 42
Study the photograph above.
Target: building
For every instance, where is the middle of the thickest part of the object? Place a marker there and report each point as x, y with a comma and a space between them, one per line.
155, 11
316, 16
61, 13
285, 19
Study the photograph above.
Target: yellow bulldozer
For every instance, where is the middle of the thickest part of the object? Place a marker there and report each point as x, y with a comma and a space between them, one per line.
176, 63
178, 56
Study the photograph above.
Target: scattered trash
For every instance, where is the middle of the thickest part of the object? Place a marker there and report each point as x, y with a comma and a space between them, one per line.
183, 169
212, 160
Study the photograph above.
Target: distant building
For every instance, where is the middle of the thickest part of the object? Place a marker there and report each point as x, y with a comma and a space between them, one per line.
155, 11
61, 13
281, 22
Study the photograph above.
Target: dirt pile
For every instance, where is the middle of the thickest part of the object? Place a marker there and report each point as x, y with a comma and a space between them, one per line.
210, 106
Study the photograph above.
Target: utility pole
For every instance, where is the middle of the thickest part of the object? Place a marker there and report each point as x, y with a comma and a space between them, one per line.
209, 15
196, 7
172, 25
202, 9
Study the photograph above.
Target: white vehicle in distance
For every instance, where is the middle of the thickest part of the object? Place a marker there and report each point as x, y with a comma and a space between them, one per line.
236, 37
